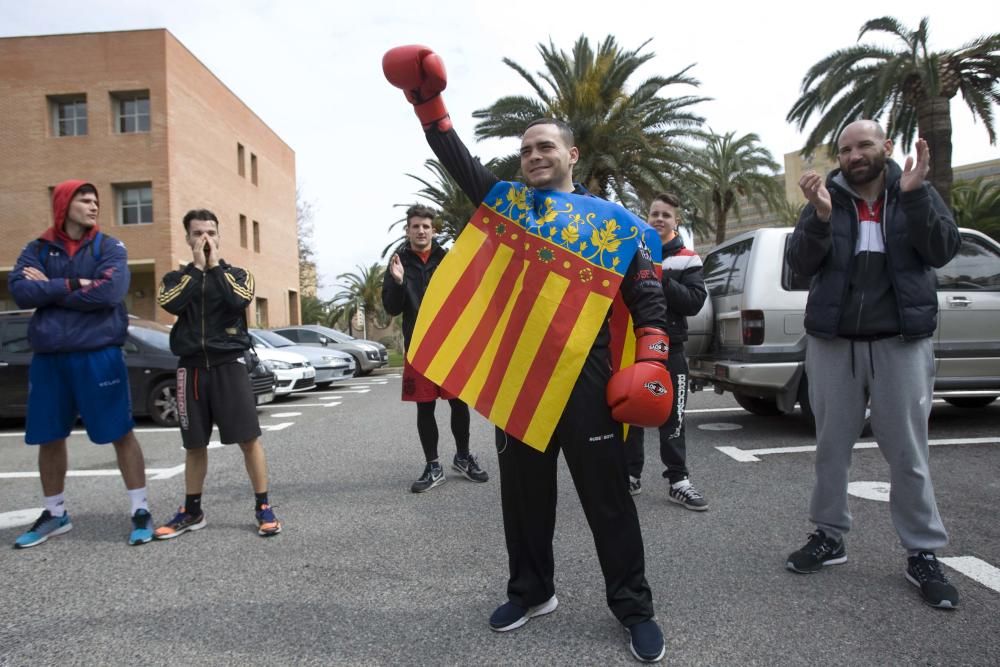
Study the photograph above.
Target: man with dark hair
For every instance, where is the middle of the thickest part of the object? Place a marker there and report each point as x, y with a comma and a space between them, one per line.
684, 289
869, 238
209, 298
516, 323
76, 277
405, 282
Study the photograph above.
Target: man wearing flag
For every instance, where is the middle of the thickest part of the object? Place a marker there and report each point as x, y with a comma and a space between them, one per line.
515, 322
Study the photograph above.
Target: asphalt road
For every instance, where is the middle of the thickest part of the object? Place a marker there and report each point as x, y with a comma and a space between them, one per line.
367, 573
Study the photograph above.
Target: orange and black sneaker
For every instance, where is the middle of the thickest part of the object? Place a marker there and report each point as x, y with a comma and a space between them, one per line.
180, 524
267, 523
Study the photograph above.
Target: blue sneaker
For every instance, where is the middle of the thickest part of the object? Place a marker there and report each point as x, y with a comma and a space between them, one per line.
646, 641
142, 528
510, 616
45, 527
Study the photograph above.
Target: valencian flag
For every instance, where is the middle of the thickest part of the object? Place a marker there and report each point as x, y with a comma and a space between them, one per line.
513, 309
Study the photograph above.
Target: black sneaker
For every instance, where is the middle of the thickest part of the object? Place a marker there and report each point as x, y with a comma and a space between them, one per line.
820, 550
924, 572
510, 616
688, 496
433, 476
646, 641
469, 466
634, 485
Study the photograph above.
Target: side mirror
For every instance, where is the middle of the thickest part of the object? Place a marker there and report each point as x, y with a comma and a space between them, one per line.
324, 341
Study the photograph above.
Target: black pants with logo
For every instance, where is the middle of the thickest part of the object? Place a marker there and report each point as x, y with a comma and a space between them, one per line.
592, 444
673, 444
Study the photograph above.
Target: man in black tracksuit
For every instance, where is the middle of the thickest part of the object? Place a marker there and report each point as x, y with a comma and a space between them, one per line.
586, 432
209, 298
403, 287
684, 288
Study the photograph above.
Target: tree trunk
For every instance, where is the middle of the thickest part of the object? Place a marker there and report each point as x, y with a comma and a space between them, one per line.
720, 224
934, 126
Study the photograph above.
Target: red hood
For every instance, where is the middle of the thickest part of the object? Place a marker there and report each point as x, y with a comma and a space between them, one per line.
62, 195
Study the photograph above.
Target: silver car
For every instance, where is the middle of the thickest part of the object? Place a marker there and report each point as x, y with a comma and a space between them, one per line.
330, 365
750, 338
368, 354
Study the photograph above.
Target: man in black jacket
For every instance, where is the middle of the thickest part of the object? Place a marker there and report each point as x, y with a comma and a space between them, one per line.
684, 288
410, 270
209, 298
869, 238
586, 431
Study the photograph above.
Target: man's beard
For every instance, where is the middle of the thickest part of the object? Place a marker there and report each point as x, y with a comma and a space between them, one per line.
872, 171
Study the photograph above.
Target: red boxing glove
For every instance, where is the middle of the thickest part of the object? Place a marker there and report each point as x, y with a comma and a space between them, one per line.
651, 344
419, 72
641, 395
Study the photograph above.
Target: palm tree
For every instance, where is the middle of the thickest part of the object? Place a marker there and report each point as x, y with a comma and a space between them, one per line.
443, 193
977, 205
314, 309
363, 290
912, 85
628, 139
730, 168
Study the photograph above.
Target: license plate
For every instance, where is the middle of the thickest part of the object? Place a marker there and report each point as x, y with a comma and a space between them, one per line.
265, 398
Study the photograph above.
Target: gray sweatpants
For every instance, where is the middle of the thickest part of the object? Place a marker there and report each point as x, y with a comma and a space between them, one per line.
897, 377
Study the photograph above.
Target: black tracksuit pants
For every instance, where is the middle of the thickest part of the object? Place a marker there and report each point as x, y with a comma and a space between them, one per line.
592, 444
673, 444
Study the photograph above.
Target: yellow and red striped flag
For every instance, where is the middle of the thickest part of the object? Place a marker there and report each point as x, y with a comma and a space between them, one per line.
513, 310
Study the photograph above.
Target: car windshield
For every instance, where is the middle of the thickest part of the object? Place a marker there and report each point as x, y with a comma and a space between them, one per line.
152, 334
337, 336
272, 339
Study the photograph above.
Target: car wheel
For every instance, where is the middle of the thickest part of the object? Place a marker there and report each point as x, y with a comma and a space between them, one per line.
358, 372
762, 407
970, 401
162, 404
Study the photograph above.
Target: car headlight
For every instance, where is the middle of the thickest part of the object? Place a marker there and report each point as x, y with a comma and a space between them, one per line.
280, 365
329, 360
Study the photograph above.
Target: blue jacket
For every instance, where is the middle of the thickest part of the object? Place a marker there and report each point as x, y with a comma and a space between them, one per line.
69, 317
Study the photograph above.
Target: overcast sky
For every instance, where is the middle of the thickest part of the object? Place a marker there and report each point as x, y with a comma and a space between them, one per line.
312, 72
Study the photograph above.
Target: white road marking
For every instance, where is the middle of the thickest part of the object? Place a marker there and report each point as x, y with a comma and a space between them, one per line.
706, 410
751, 455
306, 405
277, 427
870, 490
286, 414
165, 429
975, 568
719, 426
19, 517
152, 473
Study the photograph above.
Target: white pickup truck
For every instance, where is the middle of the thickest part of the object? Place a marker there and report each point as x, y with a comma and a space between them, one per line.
749, 337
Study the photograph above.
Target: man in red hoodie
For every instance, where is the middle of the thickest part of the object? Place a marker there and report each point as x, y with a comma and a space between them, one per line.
75, 277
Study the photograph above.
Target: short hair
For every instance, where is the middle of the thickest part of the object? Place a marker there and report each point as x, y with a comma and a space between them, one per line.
86, 189
198, 214
668, 198
419, 211
565, 131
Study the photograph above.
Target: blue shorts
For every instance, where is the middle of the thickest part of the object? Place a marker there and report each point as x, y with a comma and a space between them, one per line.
91, 384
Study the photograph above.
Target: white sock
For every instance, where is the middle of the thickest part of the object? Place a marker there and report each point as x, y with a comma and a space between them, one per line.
56, 505
683, 484
138, 499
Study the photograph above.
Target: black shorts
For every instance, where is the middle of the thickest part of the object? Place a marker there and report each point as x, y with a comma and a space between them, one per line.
219, 395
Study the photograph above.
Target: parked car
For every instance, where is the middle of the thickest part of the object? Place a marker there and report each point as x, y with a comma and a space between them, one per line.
151, 369
750, 338
368, 354
330, 365
293, 371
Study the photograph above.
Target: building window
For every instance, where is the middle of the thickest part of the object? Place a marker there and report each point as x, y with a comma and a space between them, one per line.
69, 115
135, 203
241, 160
253, 168
243, 231
256, 236
261, 313
293, 307
131, 111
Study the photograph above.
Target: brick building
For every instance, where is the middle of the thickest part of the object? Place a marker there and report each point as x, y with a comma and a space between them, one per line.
142, 118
